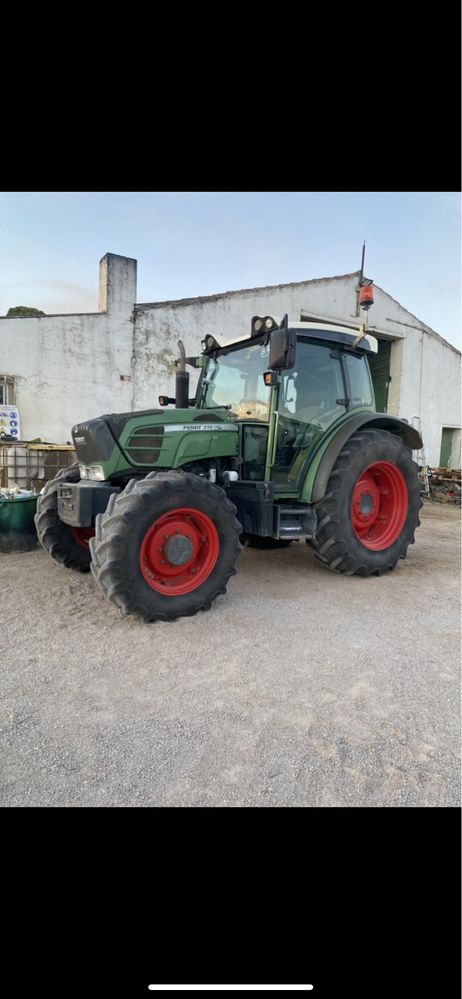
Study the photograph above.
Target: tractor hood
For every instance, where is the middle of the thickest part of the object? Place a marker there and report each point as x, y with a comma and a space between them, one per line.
170, 419
163, 438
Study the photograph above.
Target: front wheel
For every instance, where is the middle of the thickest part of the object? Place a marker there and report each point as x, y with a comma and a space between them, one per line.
166, 546
367, 519
67, 545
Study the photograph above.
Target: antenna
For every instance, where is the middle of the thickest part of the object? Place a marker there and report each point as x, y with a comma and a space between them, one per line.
364, 298
361, 279
361, 276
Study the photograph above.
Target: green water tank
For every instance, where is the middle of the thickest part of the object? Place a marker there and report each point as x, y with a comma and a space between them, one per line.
17, 527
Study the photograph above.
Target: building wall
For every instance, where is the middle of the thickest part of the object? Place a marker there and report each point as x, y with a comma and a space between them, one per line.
73, 367
431, 391
159, 326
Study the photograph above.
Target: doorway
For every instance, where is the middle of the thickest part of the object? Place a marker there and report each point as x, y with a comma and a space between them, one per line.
380, 371
446, 447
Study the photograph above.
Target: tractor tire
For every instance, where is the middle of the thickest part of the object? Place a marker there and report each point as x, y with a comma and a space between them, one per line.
255, 541
367, 519
65, 544
166, 546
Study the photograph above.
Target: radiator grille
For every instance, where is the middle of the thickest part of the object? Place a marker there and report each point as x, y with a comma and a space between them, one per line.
144, 445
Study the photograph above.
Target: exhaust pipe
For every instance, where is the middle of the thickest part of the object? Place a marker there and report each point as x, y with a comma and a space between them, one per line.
181, 380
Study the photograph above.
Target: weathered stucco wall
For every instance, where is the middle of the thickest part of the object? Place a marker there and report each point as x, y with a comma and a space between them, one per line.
431, 389
425, 376
73, 367
159, 326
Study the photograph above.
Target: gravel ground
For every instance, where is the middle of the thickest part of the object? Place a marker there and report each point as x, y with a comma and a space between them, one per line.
300, 687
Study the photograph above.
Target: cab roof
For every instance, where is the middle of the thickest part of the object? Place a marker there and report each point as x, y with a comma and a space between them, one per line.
344, 335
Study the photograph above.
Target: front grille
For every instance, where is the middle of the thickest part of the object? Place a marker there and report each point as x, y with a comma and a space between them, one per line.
144, 445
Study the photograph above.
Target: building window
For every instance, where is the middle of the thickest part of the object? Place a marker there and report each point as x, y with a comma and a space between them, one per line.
7, 391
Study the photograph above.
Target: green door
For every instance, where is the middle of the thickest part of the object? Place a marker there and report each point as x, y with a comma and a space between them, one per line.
446, 447
380, 371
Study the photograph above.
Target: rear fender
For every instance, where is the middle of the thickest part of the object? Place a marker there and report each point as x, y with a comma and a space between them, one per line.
379, 421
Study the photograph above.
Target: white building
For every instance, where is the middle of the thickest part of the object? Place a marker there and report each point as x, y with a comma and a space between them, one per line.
59, 370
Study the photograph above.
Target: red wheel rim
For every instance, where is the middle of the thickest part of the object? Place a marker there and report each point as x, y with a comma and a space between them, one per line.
82, 535
179, 551
379, 505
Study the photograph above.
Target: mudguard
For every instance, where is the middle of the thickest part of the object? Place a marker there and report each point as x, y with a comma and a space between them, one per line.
382, 421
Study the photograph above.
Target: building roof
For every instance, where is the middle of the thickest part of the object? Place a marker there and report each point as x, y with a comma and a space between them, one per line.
197, 300
242, 291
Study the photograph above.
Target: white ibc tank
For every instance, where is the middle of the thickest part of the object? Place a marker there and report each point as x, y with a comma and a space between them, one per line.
19, 466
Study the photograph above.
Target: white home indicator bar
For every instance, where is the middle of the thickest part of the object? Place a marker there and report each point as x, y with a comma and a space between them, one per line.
230, 988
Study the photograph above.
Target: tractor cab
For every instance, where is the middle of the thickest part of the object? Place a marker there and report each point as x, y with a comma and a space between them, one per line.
287, 386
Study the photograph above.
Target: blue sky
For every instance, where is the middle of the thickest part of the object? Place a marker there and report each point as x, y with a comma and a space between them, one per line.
196, 243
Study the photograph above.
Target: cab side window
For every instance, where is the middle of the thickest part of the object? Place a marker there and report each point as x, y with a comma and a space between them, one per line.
310, 392
311, 398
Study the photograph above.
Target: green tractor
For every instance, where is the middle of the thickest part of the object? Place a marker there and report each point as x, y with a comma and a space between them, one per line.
281, 443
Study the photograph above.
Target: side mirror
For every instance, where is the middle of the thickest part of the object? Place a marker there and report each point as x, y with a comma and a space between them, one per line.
282, 347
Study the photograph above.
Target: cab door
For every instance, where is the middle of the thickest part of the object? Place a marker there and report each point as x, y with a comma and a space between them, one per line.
312, 396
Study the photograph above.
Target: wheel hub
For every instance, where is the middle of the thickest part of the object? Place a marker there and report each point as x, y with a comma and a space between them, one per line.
178, 549
366, 504
82, 535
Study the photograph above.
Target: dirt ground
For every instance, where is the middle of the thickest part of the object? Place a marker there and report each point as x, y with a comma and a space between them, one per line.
300, 687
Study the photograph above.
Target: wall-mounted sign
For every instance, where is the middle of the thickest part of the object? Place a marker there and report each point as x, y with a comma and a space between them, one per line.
9, 421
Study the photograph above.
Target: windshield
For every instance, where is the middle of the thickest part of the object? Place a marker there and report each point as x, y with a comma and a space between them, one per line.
235, 379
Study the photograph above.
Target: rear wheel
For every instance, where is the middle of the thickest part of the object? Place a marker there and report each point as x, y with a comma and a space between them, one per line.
367, 519
67, 545
165, 547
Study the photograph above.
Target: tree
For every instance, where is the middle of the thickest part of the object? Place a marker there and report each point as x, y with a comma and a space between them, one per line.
23, 310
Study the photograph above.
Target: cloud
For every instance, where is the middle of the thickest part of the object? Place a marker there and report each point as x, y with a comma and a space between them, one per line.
53, 297
69, 296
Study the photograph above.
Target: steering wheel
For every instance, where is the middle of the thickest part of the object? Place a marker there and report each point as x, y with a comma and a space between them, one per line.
249, 408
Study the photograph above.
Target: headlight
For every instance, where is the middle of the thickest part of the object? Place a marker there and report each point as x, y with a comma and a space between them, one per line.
96, 472
263, 323
92, 472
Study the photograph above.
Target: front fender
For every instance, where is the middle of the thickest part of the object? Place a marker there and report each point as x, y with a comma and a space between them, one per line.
381, 421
